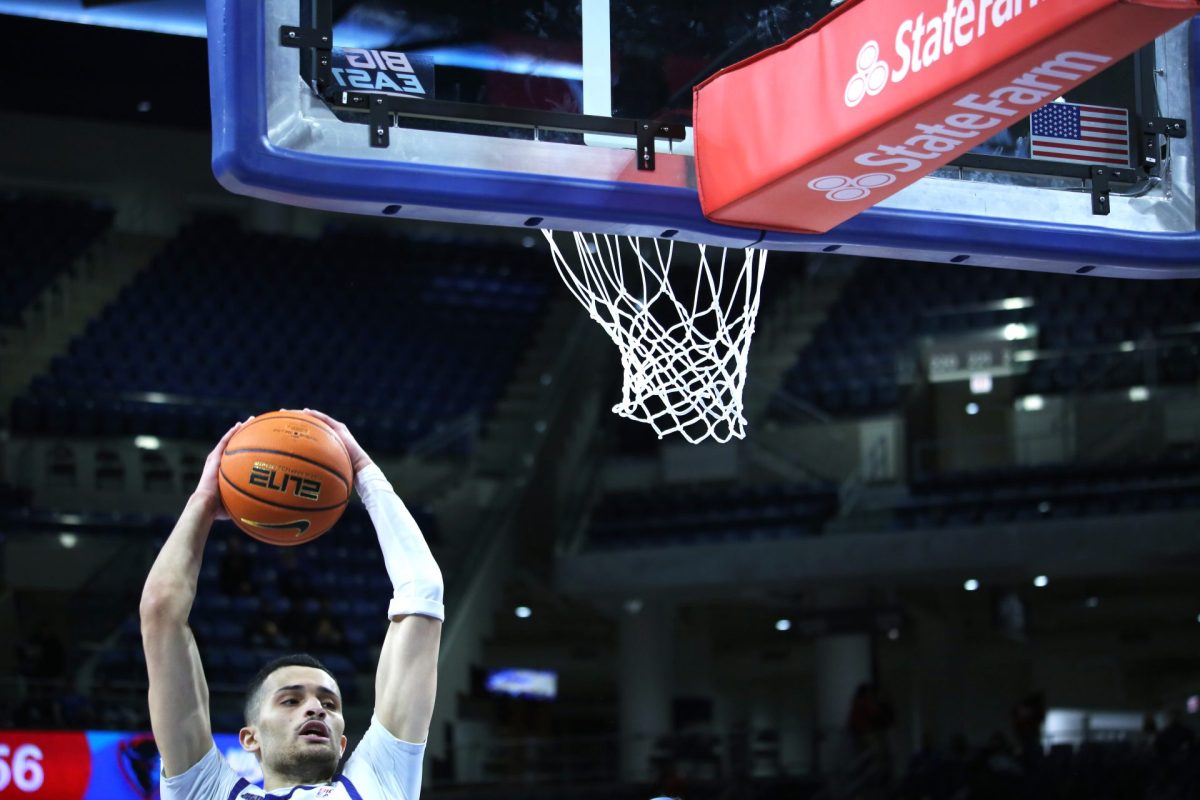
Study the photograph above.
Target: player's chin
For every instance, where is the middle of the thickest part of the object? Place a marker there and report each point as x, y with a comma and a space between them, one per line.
318, 764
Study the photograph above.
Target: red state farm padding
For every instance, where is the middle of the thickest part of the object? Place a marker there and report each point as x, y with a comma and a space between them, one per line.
805, 135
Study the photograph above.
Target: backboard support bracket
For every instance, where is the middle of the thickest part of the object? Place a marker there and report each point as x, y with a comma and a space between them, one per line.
1152, 128
319, 41
1102, 178
382, 108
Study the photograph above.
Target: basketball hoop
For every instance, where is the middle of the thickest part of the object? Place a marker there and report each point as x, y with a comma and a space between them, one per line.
683, 331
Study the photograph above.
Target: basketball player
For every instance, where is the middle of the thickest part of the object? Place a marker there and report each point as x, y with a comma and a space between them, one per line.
293, 713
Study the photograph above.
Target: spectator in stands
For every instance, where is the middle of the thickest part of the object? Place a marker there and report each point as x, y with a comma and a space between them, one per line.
264, 632
293, 711
871, 716
870, 719
326, 635
42, 661
292, 583
43, 656
1175, 737
997, 771
1028, 717
233, 575
1149, 731
1174, 771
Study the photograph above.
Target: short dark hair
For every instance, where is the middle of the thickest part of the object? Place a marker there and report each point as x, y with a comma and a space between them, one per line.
254, 688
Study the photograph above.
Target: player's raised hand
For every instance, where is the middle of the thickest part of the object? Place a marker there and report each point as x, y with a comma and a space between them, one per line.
208, 487
358, 456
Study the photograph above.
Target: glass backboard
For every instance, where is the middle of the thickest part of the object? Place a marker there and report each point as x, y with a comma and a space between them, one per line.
503, 112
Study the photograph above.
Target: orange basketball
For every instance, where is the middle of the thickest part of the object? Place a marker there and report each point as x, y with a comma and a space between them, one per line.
285, 478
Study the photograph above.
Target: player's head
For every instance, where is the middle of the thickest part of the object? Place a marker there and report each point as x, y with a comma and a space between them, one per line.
294, 722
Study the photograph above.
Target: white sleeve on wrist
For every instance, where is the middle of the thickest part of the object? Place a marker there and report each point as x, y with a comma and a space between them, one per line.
416, 578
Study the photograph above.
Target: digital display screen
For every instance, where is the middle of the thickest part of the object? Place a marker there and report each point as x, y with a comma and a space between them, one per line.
532, 683
94, 765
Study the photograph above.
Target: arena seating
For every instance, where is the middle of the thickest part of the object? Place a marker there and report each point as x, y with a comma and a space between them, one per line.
1053, 491
226, 324
41, 238
1092, 770
850, 366
709, 514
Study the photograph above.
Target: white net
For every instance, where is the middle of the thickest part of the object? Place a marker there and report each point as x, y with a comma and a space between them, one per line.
683, 329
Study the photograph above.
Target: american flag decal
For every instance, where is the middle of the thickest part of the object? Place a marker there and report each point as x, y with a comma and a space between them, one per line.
1080, 134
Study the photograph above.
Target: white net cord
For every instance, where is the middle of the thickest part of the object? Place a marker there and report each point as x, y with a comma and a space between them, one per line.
683, 331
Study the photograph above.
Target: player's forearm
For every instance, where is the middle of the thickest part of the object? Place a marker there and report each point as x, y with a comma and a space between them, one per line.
170, 587
416, 578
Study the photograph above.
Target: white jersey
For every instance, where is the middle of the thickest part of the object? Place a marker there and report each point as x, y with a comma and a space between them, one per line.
382, 767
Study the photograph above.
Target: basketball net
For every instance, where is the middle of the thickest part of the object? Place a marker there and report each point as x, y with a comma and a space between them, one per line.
684, 334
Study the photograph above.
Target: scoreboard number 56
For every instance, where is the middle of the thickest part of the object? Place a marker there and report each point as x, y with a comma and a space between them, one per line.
24, 770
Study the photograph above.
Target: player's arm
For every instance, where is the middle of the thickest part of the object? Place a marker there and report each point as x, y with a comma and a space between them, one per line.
406, 679
179, 714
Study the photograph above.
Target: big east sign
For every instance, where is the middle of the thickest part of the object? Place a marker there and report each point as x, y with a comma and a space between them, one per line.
382, 72
892, 90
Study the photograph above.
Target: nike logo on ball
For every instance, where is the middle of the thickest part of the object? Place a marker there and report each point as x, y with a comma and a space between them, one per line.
301, 524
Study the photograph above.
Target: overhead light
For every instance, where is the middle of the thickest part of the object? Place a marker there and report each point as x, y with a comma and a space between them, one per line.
146, 442
68, 540
971, 585
1014, 331
1015, 303
783, 624
981, 383
523, 612
489, 57
176, 21
1022, 356
1138, 394
144, 106
1041, 581
1128, 347
972, 409
1032, 402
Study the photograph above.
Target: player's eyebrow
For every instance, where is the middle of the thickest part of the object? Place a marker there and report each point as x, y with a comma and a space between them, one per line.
299, 687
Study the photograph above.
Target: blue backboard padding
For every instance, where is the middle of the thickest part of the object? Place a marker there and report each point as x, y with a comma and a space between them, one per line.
246, 163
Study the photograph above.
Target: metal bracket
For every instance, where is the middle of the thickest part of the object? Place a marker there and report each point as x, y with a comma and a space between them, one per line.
647, 131
379, 121
379, 116
319, 62
384, 111
1101, 179
1154, 127
291, 36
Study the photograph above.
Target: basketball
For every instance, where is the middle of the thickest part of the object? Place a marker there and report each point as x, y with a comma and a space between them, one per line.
285, 478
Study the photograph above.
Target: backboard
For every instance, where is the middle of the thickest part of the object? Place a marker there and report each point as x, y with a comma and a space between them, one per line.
526, 113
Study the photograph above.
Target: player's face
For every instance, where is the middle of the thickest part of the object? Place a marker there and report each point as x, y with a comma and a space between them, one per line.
299, 730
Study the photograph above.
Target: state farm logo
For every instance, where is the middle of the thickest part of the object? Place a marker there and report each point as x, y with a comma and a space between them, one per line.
844, 189
921, 42
872, 75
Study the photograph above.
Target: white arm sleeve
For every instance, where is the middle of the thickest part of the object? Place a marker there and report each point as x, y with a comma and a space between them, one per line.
383, 766
416, 578
210, 778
